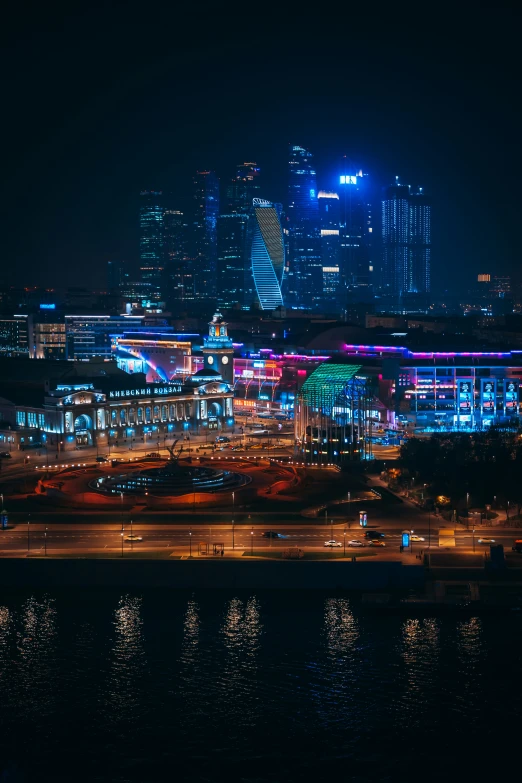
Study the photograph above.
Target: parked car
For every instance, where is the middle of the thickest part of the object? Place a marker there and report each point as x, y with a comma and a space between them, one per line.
5, 455
222, 439
417, 538
101, 459
355, 542
332, 543
373, 534
154, 455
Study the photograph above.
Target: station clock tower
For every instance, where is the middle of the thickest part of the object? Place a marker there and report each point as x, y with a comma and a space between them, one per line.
218, 351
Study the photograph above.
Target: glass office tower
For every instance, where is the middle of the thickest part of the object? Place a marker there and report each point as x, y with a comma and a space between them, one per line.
242, 189
233, 261
406, 241
267, 254
304, 283
356, 233
204, 234
151, 240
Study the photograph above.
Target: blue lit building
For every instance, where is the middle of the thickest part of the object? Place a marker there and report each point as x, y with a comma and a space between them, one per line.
304, 283
242, 189
152, 240
267, 254
329, 220
235, 284
356, 234
204, 234
406, 241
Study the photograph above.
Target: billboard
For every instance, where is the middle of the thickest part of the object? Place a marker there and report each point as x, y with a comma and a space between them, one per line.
465, 397
488, 394
510, 396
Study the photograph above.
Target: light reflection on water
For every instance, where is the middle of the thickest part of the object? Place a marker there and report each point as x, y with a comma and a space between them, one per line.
141, 685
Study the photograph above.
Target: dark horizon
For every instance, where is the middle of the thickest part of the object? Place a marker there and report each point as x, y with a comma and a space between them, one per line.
101, 107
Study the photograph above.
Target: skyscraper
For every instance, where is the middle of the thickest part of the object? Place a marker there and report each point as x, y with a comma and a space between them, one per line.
356, 231
305, 265
242, 189
151, 240
267, 254
178, 275
204, 234
235, 284
406, 241
329, 218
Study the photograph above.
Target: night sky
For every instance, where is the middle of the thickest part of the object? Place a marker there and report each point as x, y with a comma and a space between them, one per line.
103, 101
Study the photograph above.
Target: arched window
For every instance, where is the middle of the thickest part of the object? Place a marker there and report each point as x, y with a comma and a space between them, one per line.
172, 412
147, 414
163, 413
132, 415
140, 415
114, 416
123, 415
156, 413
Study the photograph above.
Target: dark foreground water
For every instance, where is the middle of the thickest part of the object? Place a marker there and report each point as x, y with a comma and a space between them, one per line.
167, 686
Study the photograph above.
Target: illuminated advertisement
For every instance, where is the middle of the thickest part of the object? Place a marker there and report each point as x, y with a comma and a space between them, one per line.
488, 397
465, 394
511, 396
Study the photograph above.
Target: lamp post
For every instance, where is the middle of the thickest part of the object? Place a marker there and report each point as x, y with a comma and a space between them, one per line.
429, 528
190, 542
344, 535
131, 538
467, 509
122, 532
28, 533
473, 537
252, 541
45, 542
233, 514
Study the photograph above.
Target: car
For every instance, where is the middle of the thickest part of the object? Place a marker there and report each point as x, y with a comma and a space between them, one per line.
376, 542
133, 538
374, 534
272, 534
332, 543
417, 538
257, 446
355, 542
222, 439
486, 540
5, 455
101, 459
154, 455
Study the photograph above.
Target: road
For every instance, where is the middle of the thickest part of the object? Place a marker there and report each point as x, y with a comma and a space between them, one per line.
83, 538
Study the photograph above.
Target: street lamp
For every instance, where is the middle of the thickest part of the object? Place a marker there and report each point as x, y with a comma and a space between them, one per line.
122, 532
473, 537
45, 542
233, 514
28, 533
190, 542
252, 541
344, 535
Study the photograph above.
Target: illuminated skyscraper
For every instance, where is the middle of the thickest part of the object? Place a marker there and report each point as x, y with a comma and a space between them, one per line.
355, 225
305, 265
151, 240
233, 261
329, 218
267, 254
406, 240
243, 188
204, 234
178, 275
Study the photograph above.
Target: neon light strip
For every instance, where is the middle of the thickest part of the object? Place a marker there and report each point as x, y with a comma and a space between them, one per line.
425, 354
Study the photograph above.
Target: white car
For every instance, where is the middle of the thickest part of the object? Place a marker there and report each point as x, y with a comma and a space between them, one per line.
355, 542
332, 543
417, 538
133, 538
486, 540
